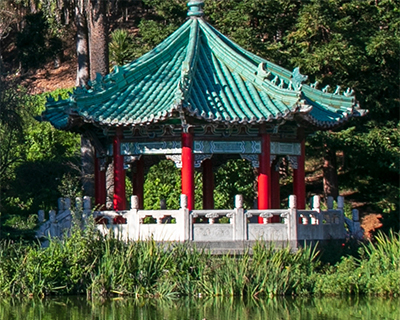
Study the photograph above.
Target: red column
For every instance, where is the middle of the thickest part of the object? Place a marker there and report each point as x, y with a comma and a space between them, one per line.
299, 184
187, 171
264, 175
208, 184
99, 185
138, 181
119, 173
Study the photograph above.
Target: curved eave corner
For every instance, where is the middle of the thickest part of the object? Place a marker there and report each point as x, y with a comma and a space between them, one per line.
330, 110
58, 113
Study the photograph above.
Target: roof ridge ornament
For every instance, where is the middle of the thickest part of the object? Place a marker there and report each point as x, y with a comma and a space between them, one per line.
298, 78
195, 8
262, 72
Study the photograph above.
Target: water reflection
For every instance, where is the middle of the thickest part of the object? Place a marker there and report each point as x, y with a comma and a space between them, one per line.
79, 308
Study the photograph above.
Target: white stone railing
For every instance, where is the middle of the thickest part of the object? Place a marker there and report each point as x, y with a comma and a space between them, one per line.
294, 226
322, 225
60, 223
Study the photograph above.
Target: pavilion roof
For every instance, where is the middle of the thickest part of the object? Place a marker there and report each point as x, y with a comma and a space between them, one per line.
199, 72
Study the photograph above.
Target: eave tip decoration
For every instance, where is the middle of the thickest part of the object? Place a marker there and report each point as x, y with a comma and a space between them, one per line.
195, 8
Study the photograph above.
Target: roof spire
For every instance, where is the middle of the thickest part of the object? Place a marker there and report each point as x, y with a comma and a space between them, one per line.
195, 8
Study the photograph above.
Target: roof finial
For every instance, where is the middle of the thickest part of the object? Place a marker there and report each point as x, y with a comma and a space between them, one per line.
195, 8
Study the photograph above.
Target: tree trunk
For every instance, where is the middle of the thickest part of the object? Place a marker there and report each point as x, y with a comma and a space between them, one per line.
82, 45
92, 50
330, 179
87, 157
98, 38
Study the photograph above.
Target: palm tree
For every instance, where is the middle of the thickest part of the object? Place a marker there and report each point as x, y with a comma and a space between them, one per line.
92, 39
92, 51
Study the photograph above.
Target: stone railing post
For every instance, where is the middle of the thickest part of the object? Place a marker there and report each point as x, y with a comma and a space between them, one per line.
184, 201
87, 207
239, 220
329, 202
78, 204
316, 203
340, 206
187, 221
79, 208
66, 223
79, 211
134, 202
67, 204
60, 205
340, 203
328, 216
133, 220
355, 215
316, 207
293, 221
358, 232
53, 224
41, 216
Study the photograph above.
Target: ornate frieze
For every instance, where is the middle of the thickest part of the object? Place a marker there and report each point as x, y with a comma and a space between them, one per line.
198, 159
159, 147
286, 148
200, 147
206, 147
227, 147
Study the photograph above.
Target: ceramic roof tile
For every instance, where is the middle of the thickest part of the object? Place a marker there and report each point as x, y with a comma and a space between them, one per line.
199, 70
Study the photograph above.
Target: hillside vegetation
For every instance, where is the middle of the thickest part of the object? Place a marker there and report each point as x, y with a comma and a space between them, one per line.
349, 43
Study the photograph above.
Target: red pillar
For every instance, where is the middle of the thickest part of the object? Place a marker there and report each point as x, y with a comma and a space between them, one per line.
187, 171
119, 173
299, 184
264, 175
99, 185
138, 181
208, 184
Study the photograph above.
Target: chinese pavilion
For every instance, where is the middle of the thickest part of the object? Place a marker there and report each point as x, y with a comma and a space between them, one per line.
198, 98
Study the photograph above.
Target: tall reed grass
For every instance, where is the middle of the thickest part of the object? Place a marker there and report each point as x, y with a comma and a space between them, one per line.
376, 272
87, 263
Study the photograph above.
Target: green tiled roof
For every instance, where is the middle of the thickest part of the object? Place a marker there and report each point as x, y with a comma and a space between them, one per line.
202, 73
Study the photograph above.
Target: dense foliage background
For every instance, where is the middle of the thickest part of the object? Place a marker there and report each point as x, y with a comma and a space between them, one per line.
349, 43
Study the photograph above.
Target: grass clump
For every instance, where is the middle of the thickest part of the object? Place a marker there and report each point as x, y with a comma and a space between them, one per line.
88, 263
375, 272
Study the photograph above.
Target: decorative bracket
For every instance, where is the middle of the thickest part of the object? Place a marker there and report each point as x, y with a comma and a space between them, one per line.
293, 161
103, 163
177, 158
253, 158
128, 160
199, 158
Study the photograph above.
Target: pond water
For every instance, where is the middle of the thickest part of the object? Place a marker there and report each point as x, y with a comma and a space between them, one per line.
79, 308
